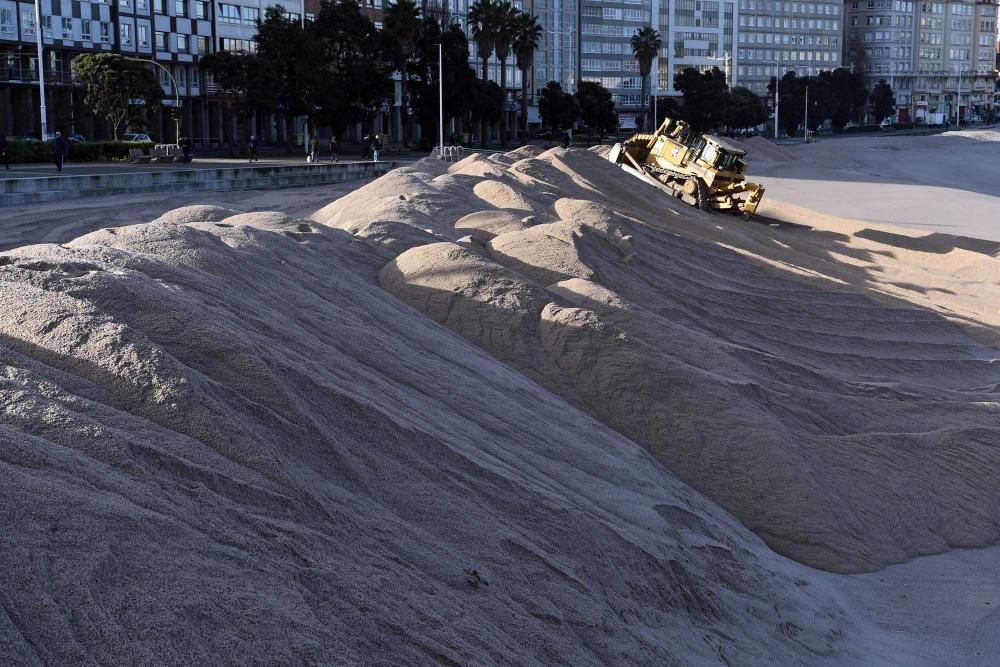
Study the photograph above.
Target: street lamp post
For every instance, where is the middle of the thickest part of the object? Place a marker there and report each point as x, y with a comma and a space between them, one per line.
173, 83
725, 58
777, 98
41, 68
805, 122
440, 101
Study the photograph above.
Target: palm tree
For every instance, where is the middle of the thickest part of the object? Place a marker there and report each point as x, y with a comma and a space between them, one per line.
506, 30
645, 45
483, 17
402, 27
527, 35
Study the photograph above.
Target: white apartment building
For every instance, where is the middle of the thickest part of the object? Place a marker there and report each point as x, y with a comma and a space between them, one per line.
777, 37
935, 54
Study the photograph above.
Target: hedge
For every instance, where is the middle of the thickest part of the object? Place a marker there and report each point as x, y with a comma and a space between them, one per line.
83, 151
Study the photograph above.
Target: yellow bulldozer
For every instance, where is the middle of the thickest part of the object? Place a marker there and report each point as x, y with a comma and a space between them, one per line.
700, 169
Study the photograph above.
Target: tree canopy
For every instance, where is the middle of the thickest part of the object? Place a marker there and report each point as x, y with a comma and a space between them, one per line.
744, 109
597, 107
883, 101
118, 88
706, 97
558, 109
646, 44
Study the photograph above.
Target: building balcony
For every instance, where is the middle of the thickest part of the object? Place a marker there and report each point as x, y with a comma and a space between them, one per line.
29, 75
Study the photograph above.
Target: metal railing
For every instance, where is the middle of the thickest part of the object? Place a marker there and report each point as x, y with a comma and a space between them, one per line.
448, 153
16, 73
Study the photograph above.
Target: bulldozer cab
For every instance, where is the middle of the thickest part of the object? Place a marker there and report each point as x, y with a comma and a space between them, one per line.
722, 155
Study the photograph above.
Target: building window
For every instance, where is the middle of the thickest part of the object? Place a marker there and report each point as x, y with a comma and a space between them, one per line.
28, 22
6, 20
230, 13
180, 7
159, 6
201, 9
125, 31
293, 16
143, 35
250, 15
236, 45
85, 27
202, 44
105, 32
194, 78
310, 17
46, 26
142, 5
125, 4
67, 28
182, 43
160, 40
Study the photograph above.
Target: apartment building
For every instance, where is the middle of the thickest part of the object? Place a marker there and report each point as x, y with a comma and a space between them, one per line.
934, 54
172, 35
695, 33
558, 54
606, 29
699, 34
777, 37
68, 28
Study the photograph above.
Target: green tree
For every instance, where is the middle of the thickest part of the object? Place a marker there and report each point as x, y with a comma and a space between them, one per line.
402, 30
645, 45
526, 37
355, 74
792, 101
244, 80
486, 101
705, 96
506, 31
459, 78
883, 101
294, 59
484, 17
558, 109
597, 108
113, 84
849, 93
744, 109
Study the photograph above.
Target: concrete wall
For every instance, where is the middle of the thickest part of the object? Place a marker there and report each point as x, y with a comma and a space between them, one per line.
20, 191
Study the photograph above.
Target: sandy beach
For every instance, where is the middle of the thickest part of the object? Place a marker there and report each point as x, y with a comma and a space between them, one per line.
517, 409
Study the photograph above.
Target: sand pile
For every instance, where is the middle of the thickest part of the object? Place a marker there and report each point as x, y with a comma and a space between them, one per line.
778, 371
760, 149
224, 441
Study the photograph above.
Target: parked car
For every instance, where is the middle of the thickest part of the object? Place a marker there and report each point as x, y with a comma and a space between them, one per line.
136, 137
24, 138
76, 138
887, 123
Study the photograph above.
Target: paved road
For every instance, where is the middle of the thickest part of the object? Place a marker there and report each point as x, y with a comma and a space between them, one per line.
35, 170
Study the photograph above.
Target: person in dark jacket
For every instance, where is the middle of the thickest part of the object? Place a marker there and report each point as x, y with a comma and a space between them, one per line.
252, 148
4, 155
59, 151
334, 149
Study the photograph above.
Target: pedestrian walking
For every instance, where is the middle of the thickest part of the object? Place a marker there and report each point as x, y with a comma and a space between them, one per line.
252, 149
314, 149
376, 146
59, 151
334, 149
366, 147
4, 155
